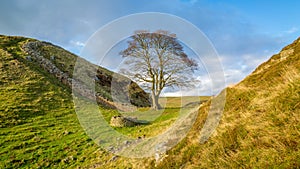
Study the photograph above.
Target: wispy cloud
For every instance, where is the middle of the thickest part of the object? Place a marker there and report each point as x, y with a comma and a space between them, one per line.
70, 23
292, 30
77, 43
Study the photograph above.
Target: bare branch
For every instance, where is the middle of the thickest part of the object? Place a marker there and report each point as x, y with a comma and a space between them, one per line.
158, 59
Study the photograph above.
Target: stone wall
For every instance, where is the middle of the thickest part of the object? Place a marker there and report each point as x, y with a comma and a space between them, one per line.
34, 55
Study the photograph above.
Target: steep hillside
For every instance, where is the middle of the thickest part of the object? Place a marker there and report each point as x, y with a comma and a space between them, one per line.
38, 123
65, 65
25, 89
60, 63
259, 127
260, 124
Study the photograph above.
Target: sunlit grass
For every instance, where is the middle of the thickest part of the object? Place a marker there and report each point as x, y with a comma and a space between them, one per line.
39, 125
40, 128
259, 126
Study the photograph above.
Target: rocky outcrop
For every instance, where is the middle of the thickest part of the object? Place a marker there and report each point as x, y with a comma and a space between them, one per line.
120, 121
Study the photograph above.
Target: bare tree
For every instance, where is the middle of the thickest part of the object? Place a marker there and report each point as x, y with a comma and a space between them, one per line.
157, 60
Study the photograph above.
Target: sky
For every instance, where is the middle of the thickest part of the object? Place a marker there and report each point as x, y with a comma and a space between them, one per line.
244, 33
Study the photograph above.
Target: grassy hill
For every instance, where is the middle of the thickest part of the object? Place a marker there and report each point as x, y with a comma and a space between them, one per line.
64, 65
38, 123
259, 127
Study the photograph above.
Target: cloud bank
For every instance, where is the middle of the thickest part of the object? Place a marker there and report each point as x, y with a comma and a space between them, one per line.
243, 36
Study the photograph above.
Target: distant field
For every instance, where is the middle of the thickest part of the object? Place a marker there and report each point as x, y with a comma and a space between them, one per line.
183, 101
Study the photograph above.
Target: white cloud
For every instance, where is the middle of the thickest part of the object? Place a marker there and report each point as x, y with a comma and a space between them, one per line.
253, 61
233, 76
242, 48
77, 43
292, 30
204, 88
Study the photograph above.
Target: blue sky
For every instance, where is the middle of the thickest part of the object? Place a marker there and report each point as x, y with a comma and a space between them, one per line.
244, 33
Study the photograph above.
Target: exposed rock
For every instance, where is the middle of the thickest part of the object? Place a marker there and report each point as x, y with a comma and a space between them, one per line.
160, 152
52, 57
126, 142
28, 58
66, 132
285, 53
120, 121
114, 158
68, 159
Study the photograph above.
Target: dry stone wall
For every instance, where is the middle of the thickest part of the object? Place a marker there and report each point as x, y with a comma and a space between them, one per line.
34, 55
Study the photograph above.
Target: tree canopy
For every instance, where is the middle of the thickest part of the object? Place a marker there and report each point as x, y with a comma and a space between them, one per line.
157, 60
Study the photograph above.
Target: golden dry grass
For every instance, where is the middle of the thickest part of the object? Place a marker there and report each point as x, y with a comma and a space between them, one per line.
260, 124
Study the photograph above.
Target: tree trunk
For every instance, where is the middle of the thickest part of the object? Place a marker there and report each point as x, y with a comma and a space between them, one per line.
155, 104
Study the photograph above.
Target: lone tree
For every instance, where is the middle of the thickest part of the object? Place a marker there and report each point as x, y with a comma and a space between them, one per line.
156, 60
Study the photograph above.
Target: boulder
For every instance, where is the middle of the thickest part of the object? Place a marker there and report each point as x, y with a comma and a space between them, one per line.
120, 121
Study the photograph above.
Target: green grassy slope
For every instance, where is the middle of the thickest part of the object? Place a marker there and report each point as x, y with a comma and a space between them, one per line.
84, 71
39, 127
260, 125
25, 89
38, 122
